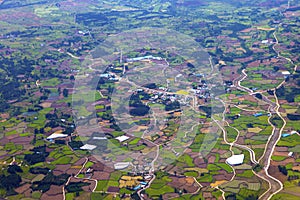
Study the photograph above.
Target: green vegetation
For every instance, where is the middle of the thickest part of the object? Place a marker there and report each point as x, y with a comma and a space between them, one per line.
45, 52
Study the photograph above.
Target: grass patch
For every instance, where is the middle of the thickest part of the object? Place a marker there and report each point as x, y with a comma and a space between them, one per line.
13, 132
89, 164
101, 185
224, 166
62, 161
50, 82
185, 158
70, 196
160, 191
246, 174
284, 196
36, 195
191, 173
206, 178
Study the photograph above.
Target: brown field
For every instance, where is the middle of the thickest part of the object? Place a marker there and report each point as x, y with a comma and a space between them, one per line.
296, 168
274, 171
184, 183
23, 188
46, 104
101, 175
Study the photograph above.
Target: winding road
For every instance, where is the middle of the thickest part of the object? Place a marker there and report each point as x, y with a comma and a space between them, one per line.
275, 186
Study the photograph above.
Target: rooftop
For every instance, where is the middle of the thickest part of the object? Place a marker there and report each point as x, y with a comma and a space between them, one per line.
285, 72
88, 147
56, 135
121, 165
236, 159
122, 138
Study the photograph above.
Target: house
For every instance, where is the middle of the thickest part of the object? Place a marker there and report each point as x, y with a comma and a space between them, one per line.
137, 187
285, 135
257, 114
143, 183
113, 79
104, 75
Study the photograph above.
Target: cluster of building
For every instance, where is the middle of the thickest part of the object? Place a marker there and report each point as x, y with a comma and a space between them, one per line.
289, 134
137, 59
109, 76
134, 182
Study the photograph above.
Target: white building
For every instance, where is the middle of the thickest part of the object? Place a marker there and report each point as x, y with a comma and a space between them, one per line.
99, 138
121, 165
294, 132
235, 160
122, 138
291, 154
88, 147
286, 73
56, 135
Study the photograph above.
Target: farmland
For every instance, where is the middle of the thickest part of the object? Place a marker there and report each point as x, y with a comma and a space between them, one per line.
105, 100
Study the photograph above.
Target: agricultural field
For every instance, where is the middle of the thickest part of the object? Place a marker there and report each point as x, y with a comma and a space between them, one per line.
149, 100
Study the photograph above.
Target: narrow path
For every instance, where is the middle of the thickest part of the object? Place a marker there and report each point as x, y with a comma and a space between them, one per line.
237, 82
275, 186
277, 132
76, 177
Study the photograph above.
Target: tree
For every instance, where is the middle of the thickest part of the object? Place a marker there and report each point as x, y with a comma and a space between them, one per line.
42, 131
251, 197
12, 169
258, 95
276, 68
231, 197
66, 92
293, 117
283, 170
10, 181
280, 91
139, 111
172, 106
